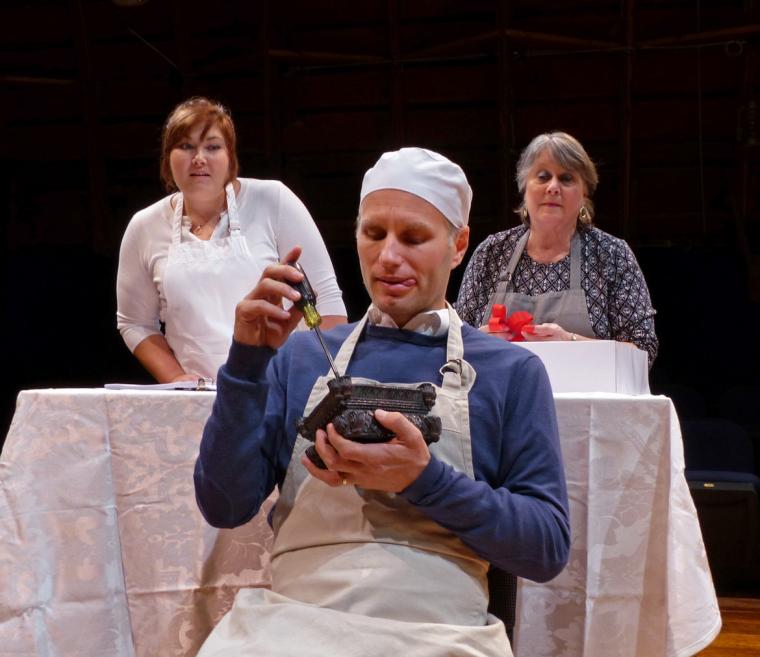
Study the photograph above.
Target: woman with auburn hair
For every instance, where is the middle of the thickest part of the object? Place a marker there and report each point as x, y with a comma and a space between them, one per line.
187, 260
578, 282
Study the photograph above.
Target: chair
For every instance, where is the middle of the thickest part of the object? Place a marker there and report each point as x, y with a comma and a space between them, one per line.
728, 515
717, 449
742, 405
726, 491
502, 589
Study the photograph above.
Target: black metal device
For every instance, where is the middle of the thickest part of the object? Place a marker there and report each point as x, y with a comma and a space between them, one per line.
350, 407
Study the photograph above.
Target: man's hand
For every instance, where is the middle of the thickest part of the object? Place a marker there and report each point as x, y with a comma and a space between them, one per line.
260, 319
388, 467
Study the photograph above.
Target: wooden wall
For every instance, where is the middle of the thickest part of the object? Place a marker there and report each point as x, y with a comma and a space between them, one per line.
664, 94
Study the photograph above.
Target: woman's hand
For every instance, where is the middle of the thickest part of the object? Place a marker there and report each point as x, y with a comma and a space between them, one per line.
546, 333
186, 377
156, 356
260, 319
507, 336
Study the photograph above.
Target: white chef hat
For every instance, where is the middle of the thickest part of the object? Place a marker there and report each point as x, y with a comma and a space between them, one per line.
426, 174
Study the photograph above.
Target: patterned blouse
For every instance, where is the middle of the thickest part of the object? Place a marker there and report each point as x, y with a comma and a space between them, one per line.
618, 300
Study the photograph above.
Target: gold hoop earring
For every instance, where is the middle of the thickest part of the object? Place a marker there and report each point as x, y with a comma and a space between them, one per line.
524, 213
583, 215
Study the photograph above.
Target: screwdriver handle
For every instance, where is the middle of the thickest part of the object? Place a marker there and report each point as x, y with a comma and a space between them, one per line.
307, 303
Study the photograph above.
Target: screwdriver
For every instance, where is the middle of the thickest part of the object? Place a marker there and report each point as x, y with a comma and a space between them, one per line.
310, 314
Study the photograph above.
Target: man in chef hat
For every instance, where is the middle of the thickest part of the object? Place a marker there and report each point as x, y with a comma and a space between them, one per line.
386, 550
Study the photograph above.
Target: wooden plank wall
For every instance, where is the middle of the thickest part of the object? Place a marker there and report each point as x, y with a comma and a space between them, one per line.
663, 93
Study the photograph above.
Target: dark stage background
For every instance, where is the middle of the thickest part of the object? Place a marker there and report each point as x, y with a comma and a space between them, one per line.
664, 94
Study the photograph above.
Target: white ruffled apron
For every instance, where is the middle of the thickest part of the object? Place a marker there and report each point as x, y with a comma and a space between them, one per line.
567, 308
364, 573
203, 281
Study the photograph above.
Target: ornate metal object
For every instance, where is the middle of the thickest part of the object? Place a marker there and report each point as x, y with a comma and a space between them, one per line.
349, 406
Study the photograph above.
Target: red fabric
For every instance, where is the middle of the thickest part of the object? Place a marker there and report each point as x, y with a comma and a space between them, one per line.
514, 323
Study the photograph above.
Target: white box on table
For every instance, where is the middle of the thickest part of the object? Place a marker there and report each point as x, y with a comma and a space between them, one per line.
593, 366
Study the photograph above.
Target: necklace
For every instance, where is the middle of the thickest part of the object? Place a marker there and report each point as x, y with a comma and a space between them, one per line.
197, 228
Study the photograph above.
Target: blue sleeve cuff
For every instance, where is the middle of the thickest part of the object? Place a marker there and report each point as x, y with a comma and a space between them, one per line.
248, 362
428, 482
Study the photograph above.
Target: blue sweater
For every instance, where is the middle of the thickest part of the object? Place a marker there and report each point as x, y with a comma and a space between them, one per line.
514, 514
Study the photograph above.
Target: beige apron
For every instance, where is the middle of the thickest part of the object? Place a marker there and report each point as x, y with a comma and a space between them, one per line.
364, 573
567, 308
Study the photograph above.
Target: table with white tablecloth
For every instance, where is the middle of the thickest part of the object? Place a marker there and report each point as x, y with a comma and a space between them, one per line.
104, 552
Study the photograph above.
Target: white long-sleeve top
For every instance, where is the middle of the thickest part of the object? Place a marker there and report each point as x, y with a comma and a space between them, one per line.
273, 220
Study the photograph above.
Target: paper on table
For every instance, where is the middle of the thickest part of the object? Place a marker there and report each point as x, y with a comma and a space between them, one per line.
200, 384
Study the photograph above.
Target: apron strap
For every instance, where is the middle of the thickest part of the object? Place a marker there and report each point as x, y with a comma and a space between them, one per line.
347, 348
504, 283
457, 372
177, 220
506, 278
232, 209
575, 262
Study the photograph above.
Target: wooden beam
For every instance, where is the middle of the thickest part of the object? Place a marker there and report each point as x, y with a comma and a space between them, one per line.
747, 162
272, 124
626, 141
99, 219
398, 124
516, 35
26, 79
320, 57
506, 122
182, 30
709, 36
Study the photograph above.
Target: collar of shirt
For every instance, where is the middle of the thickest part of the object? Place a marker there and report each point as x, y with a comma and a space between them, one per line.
430, 322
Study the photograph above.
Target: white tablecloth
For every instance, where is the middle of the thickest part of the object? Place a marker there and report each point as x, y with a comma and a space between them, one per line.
103, 550
638, 583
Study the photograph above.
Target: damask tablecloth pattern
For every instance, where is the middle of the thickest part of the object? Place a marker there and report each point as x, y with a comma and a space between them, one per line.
638, 583
103, 550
